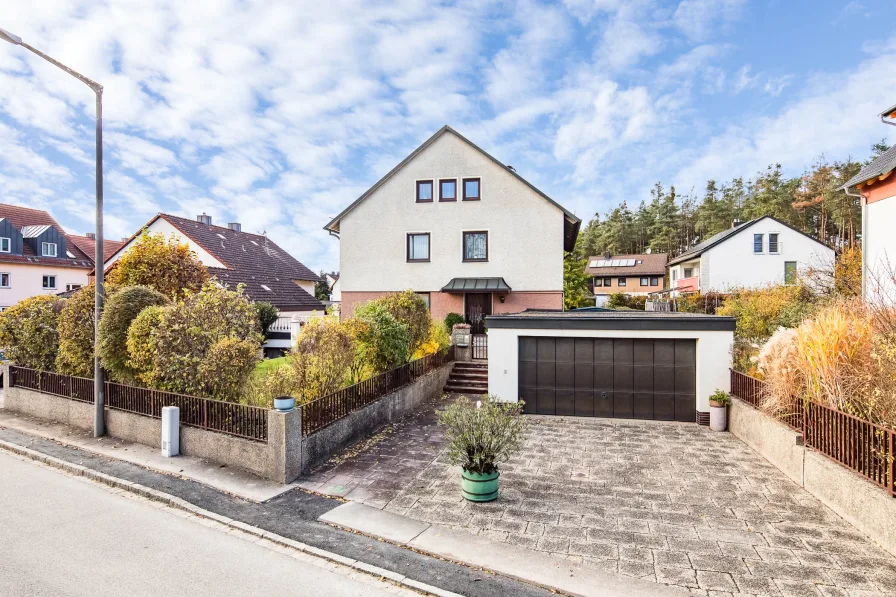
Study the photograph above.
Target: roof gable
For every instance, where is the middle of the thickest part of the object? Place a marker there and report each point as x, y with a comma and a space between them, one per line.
32, 223
724, 235
571, 221
881, 165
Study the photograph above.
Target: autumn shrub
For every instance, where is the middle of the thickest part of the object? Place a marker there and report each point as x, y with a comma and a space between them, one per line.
842, 357
319, 363
759, 313
620, 300
76, 331
141, 344
437, 342
29, 332
267, 315
408, 308
226, 367
451, 319
164, 264
384, 342
121, 308
261, 388
188, 331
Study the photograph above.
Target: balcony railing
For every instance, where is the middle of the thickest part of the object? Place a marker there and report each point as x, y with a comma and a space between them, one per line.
691, 284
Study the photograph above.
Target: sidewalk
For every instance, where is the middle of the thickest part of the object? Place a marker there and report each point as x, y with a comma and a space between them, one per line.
227, 479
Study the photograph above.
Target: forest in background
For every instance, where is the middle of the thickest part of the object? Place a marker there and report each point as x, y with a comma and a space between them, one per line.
670, 222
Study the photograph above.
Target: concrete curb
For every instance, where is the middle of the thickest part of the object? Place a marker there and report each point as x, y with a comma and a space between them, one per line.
181, 504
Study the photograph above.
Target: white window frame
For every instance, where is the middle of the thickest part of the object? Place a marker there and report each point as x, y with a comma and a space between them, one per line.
777, 250
72, 286
8, 280
45, 253
47, 287
8, 242
761, 250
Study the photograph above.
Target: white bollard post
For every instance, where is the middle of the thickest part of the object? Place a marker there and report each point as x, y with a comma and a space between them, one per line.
170, 431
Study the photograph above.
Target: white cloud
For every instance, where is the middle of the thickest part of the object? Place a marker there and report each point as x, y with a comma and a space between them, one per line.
744, 79
702, 19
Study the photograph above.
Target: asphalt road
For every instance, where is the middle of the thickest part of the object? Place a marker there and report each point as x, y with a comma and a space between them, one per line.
62, 536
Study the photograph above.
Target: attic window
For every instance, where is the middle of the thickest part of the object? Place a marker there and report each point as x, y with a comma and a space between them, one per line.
49, 249
69, 255
5, 245
266, 287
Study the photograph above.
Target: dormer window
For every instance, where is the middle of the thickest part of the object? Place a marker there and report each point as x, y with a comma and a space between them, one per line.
48, 249
424, 191
5, 245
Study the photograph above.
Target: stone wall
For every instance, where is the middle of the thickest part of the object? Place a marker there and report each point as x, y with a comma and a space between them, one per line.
278, 459
317, 448
863, 504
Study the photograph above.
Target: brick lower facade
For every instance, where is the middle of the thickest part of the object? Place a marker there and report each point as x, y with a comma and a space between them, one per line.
443, 303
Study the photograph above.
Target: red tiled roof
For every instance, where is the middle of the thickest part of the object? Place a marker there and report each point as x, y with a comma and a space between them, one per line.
20, 217
646, 264
88, 245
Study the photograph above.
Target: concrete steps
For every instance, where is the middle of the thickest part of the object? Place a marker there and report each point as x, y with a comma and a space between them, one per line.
468, 378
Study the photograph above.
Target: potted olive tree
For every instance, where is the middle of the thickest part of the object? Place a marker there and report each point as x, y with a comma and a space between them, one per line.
718, 410
480, 436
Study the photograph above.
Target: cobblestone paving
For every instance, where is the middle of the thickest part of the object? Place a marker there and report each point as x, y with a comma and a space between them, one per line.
377, 469
669, 502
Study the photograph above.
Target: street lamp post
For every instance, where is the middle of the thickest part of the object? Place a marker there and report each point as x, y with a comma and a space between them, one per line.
98, 387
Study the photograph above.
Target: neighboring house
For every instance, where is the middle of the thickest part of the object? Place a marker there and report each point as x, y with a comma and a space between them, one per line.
234, 257
755, 253
333, 283
630, 274
460, 228
37, 256
876, 184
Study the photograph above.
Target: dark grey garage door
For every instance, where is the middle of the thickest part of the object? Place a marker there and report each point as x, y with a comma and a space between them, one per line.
609, 377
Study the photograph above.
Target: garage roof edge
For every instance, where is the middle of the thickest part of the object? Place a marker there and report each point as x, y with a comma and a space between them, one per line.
598, 321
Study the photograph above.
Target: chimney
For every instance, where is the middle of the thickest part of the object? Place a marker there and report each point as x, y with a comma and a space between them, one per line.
736, 223
90, 235
235, 226
204, 219
607, 255
124, 239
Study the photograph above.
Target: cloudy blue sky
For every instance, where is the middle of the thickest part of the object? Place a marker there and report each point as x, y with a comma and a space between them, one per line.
278, 114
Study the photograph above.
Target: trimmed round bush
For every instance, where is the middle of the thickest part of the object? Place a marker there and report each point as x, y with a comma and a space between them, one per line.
120, 311
29, 333
451, 319
141, 343
226, 368
75, 355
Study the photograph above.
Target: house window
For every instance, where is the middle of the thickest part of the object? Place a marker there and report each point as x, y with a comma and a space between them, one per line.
448, 190
471, 189
757, 243
72, 286
50, 282
654, 281
418, 247
4, 280
688, 272
620, 282
790, 273
49, 250
598, 282
475, 246
644, 281
5, 245
424, 191
773, 242
425, 297
674, 274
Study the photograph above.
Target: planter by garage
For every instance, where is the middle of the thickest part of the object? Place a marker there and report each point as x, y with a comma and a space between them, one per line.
478, 487
718, 410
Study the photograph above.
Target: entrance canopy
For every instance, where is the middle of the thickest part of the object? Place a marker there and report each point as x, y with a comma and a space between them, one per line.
461, 285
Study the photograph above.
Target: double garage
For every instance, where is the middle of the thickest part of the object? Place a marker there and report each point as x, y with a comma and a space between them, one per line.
621, 364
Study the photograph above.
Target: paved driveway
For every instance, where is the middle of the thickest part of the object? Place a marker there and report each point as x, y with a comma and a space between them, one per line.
670, 502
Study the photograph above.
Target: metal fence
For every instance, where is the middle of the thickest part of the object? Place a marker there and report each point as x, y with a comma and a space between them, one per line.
862, 446
325, 411
240, 420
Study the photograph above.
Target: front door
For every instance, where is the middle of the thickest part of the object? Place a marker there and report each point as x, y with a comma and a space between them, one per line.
478, 305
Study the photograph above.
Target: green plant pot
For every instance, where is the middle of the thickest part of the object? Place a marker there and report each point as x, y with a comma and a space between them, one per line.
477, 487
